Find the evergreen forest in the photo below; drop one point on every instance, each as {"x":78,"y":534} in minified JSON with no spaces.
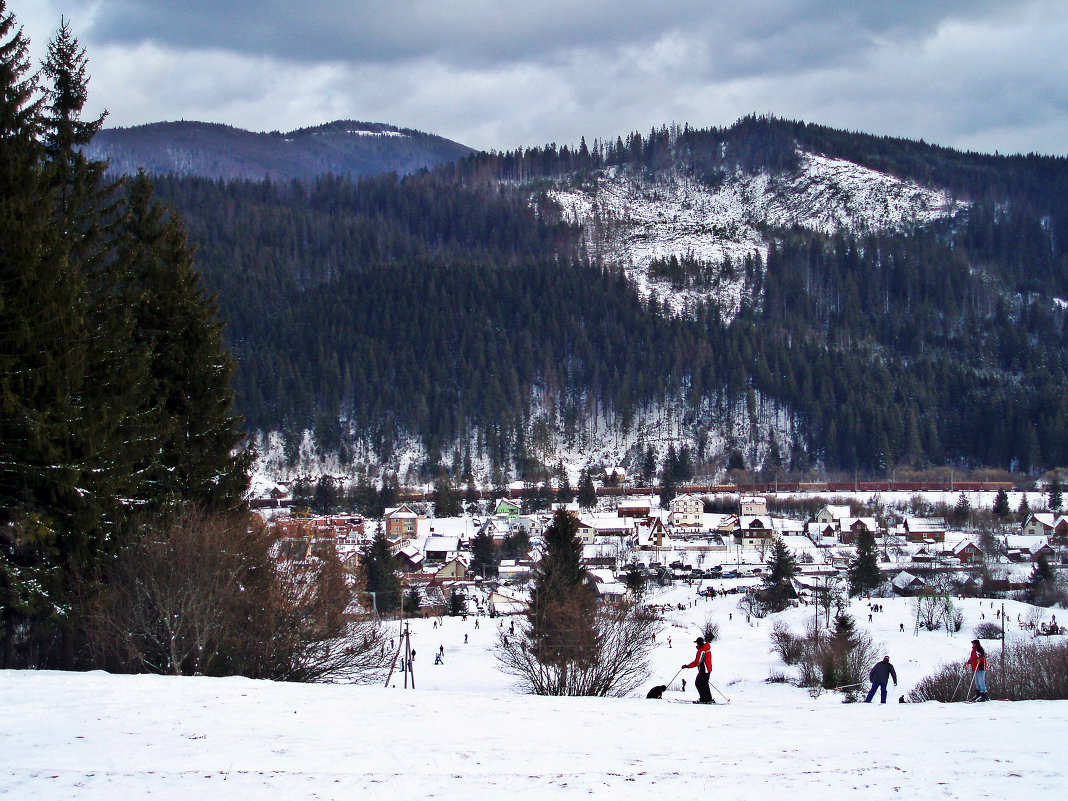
{"x":451,"y":304}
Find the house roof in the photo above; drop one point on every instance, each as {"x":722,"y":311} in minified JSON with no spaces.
{"x":438,"y":544}
{"x":870,"y":522}
{"x":1045,"y":519}
{"x":921,"y":524}
{"x":904,"y":579}
{"x":836,"y":512}
{"x":747,"y":521}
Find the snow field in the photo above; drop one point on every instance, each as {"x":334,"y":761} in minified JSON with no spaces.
{"x":463,"y":734}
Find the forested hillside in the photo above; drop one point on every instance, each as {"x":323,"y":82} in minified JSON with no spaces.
{"x":210,"y":150}
{"x":461,"y":307}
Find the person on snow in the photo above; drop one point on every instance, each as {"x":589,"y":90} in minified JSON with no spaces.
{"x":977,"y":662}
{"x":880,"y":674}
{"x":703,"y":663}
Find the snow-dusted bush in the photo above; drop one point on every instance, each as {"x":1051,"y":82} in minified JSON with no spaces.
{"x":1029,"y":671}
{"x":987,"y":631}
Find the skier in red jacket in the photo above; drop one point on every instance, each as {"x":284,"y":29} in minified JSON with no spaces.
{"x":977,"y":662}
{"x":703,"y":663}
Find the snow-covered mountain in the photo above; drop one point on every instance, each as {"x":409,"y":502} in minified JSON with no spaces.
{"x":630,"y":218}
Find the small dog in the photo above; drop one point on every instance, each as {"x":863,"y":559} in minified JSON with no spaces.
{"x":657,"y":691}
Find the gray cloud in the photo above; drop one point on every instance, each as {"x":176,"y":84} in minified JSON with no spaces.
{"x":501,"y":73}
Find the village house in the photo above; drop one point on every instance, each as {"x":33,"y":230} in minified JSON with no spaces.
{"x":635,"y":507}
{"x":652,"y":534}
{"x":687,"y":510}
{"x":967,"y":552}
{"x":592,"y":526}
{"x":506,"y":508}
{"x":831,"y":515}
{"x":455,"y":569}
{"x":410,"y":559}
{"x":905,"y":583}
{"x":400,"y":523}
{"x":1060,"y":530}
{"x":850,"y":528}
{"x":754,"y":531}
{"x":753,"y":506}
{"x":438,"y":550}
{"x":1039,"y":524}
{"x":1025,"y":548}
{"x":923,"y":529}
{"x":822,"y":535}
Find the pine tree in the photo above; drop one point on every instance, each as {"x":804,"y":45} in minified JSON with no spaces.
{"x":564,"y":493}
{"x":1001,"y":504}
{"x":41,"y":358}
{"x":562,"y":606}
{"x":191,"y":402}
{"x":782,"y":567}
{"x":962,"y":511}
{"x":457,"y":603}
{"x":484,"y":555}
{"x":411,"y":601}
{"x":380,"y":573}
{"x":1056,"y":495}
{"x":1023,"y":511}
{"x":864,"y":574}
{"x":1042,"y":582}
{"x":446,"y":499}
{"x":587,"y":494}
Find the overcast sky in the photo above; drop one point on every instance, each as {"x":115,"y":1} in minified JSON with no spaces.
{"x":496,"y":74}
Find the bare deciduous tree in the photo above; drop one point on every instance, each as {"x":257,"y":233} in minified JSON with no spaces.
{"x":200,"y":594}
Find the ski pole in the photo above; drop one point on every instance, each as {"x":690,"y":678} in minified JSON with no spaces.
{"x":674,"y":677}
{"x":718,"y":690}
{"x":954,"y":696}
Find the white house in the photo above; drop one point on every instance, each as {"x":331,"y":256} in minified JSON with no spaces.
{"x":832,"y":515}
{"x":754,"y":505}
{"x":687,"y":510}
{"x":1039,"y":524}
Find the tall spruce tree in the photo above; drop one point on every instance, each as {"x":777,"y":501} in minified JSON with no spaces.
{"x":104,"y":411}
{"x":587,"y":493}
{"x":380,"y":573}
{"x":196,"y":431}
{"x":562,"y":605}
{"x":43,"y":538}
{"x":864,"y":574}
{"x":1056,"y":494}
{"x":484,"y":555}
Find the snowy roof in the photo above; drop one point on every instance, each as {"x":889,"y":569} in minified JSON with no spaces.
{"x":869,"y":522}
{"x":606,"y":523}
{"x":921,"y":524}
{"x":1023,"y":542}
{"x":785,"y":525}
{"x":438,"y":544}
{"x":837,"y":512}
{"x":757,"y":521}
{"x":905,"y":579}
{"x":1046,"y":519}
{"x":962,"y":545}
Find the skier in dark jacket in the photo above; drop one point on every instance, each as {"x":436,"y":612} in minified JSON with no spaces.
{"x":880,"y":674}
{"x":703,"y":663}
